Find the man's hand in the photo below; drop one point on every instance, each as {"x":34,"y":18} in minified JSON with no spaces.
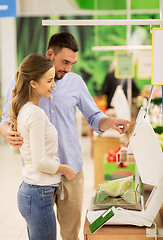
{"x":68,"y":172}
{"x":14,"y":138}
{"x":120,"y":125}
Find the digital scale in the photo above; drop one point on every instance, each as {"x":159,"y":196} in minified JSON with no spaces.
{"x":145,"y":147}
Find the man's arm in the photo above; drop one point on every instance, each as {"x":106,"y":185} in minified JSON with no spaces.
{"x":13,"y":138}
{"x":3,"y":130}
{"x":6,"y":130}
{"x":120,"y":125}
{"x":96,"y":118}
{"x":88,"y":107}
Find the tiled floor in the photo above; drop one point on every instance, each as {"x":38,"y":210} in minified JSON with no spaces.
{"x":12,"y":225}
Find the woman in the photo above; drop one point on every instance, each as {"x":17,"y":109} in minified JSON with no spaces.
{"x":41,"y":167}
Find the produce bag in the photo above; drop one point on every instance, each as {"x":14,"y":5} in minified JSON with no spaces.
{"x":116,"y":187}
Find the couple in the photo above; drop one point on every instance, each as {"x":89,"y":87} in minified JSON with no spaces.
{"x":41,"y":108}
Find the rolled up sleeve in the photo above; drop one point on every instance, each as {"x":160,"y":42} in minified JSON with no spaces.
{"x":7,"y":104}
{"x":88,"y":107}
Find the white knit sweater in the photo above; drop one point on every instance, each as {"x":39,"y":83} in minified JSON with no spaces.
{"x":39,"y":150}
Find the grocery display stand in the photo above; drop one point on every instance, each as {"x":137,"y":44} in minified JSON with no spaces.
{"x":148,"y":155}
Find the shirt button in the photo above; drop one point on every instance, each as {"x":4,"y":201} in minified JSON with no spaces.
{"x":52,"y":97}
{"x":52,"y":111}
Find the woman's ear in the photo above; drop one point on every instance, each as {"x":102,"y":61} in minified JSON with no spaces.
{"x":33,"y":84}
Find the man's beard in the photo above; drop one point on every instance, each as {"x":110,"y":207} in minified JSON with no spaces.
{"x":58,"y":76}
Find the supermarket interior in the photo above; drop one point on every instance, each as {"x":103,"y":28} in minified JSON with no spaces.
{"x":103,"y":109}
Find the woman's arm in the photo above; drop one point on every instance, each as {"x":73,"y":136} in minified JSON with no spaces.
{"x":40,"y":160}
{"x":44,"y":163}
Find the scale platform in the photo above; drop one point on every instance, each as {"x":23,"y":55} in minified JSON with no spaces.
{"x":129,"y":200}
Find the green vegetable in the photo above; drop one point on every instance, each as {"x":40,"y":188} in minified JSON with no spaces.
{"x":116,"y":187}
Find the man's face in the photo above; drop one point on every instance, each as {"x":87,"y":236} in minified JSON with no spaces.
{"x":63,"y":61}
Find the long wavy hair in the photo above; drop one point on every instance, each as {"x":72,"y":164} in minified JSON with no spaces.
{"x":33,"y":67}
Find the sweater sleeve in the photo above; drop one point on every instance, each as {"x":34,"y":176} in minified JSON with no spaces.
{"x":40,"y":160}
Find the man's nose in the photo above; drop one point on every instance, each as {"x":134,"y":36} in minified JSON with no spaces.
{"x":68,"y":68}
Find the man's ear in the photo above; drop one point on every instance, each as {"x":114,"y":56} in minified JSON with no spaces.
{"x":33,"y":84}
{"x":50,"y":54}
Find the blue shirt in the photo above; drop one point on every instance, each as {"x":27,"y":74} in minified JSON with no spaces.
{"x":70,"y":92}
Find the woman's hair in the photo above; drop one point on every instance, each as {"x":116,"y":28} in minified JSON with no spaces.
{"x":33,"y":67}
{"x":63,"y":40}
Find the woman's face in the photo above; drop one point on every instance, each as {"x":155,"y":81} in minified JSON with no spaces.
{"x":44,"y":87}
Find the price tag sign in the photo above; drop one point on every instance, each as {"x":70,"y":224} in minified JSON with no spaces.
{"x":144,"y":64}
{"x":124,"y":64}
{"x":157,"y":56}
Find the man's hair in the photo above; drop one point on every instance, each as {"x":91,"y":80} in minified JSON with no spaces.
{"x":63,"y":40}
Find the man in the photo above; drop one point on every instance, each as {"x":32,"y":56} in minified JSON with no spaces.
{"x":70,"y":92}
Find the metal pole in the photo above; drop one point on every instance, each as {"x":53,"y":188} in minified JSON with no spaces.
{"x":161,"y":17}
{"x":0,"y":67}
{"x":161,"y":12}
{"x":114,"y":48}
{"x":101,"y":22}
{"x":128,"y":3}
{"x":96,"y":26}
{"x":129,"y":80}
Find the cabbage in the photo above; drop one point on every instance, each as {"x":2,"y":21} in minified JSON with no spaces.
{"x":116,"y":187}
